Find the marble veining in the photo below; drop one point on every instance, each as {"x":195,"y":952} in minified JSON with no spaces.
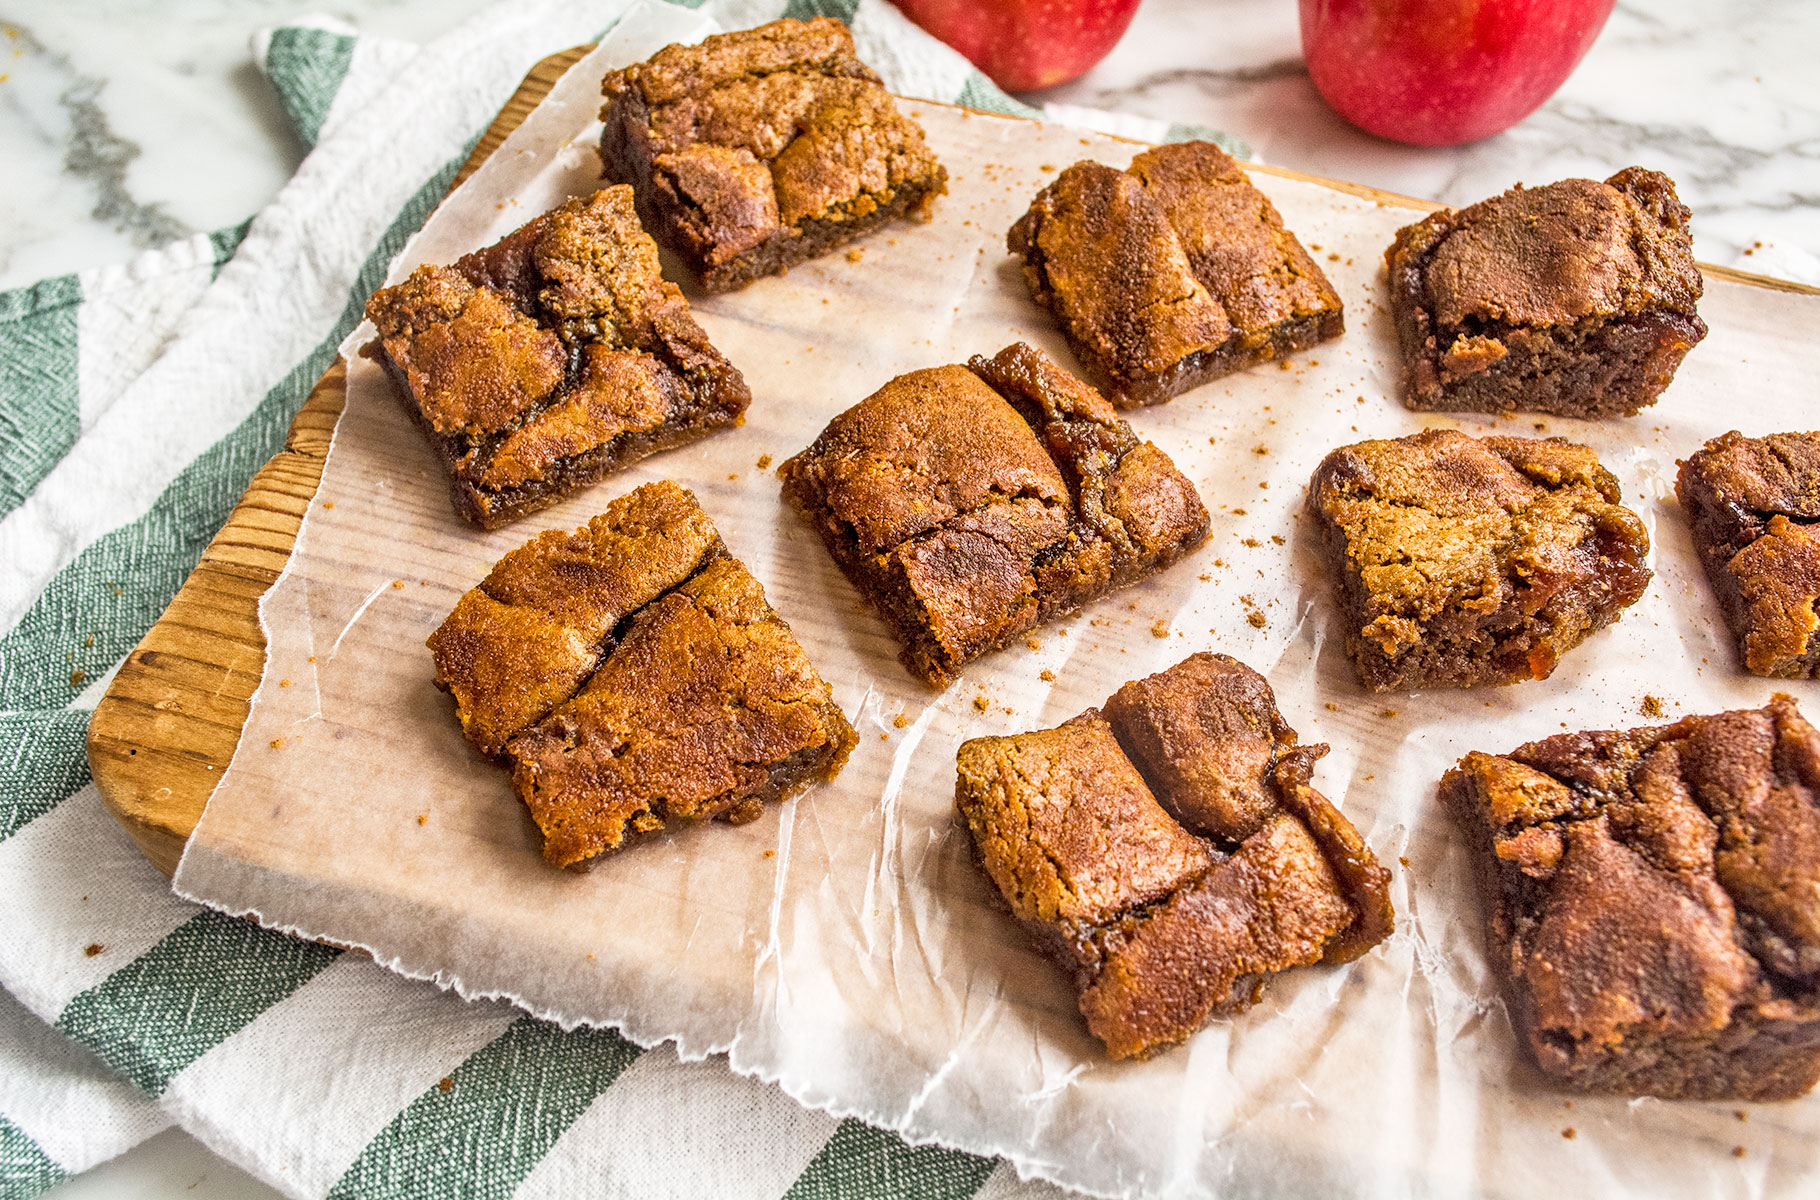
{"x":127,"y":123}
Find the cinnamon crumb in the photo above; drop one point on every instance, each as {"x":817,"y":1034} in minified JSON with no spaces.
{"x":1403,"y":861}
{"x":1252,"y":543}
{"x":328,"y":504}
{"x":1332,"y":707}
{"x":900,"y":721}
{"x":277,"y":743}
{"x":764,"y":461}
{"x":1569,"y":1133}
{"x":855,"y":255}
{"x":1260,"y":449}
{"x":768,"y":854}
{"x":1738,"y":1151}
{"x":1159,"y":629}
{"x":312,"y":658}
{"x":1033,"y":643}
{"x":423,"y":818}
{"x":397,"y":583}
{"x":980,"y":702}
{"x":447,"y":1084}
{"x":284,"y":683}
{"x":1047,"y":676}
{"x":1255,"y":619}
{"x":93,"y":948}
{"x":1388,"y":714}
{"x":1652,"y":706}
{"x":884,"y":737}
{"x":1205,"y":578}
{"x":77,"y":678}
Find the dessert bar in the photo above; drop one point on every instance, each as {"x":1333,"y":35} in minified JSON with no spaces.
{"x":1578,"y":299}
{"x":1170,"y":273}
{"x":1169,"y":852}
{"x":1654,"y":902}
{"x":968,"y":504}
{"x":758,"y":149}
{"x":1459,"y":561}
{"x":631,"y":674}
{"x":1754,"y":503}
{"x":551,"y":359}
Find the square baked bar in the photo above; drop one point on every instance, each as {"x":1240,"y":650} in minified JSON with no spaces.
{"x":1654,"y":902}
{"x":1576,"y":299}
{"x":631,"y":674}
{"x":1170,"y":273}
{"x":1753,"y":503}
{"x":1169,"y":852}
{"x":758,"y":149}
{"x":549,"y":360}
{"x":968,"y":504}
{"x":1461,"y":561}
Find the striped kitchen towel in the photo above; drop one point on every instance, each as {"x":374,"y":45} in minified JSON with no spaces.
{"x":136,"y":402}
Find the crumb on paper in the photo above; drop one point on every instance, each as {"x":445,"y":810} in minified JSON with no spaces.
{"x":1260,"y":449}
{"x":397,"y":583}
{"x":1738,"y":1151}
{"x":1046,"y":675}
{"x":1206,"y":578}
{"x":764,"y":461}
{"x":884,"y":737}
{"x":1250,"y":543}
{"x":328,"y":504}
{"x":1736,"y":1112}
{"x":1652,"y":706}
{"x":93,"y":948}
{"x":1569,"y":1133}
{"x":447,"y":1084}
{"x":1389,"y":714}
{"x":277,"y":743}
{"x":855,"y":255}
{"x":1403,"y":861}
{"x":1256,"y":619}
{"x":768,"y":854}
{"x":1332,"y":707}
{"x":1159,"y":629}
{"x":284,"y":683}
{"x":1279,"y":539}
{"x":900,"y":721}
{"x":981,"y":703}
{"x":312,"y":658}
{"x":1033,"y":643}
{"x":1238,"y":512}
{"x":423,"y":818}
{"x":77,"y":678}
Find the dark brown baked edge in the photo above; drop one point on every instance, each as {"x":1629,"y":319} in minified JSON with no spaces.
{"x":1749,"y":1060}
{"x":495,"y":508}
{"x":1476,"y":646}
{"x":666,"y":215}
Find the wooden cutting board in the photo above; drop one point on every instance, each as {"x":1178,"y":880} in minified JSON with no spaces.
{"x":169,"y":723}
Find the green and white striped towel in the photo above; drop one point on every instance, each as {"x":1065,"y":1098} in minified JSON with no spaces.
{"x":136,"y":402}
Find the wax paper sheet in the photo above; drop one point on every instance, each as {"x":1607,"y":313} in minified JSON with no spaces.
{"x":844,"y":945}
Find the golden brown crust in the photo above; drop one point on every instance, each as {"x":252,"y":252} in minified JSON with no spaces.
{"x":1577,"y":298}
{"x":1462,"y":561}
{"x":543,"y":362}
{"x":1167,"y":926}
{"x":1170,"y":273}
{"x":1753,"y":502}
{"x":757,"y":149}
{"x":1655,"y":901}
{"x":632,"y":671}
{"x":969,"y":504}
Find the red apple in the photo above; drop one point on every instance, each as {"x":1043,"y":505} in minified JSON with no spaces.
{"x":1441,"y":72}
{"x":1023,"y":45}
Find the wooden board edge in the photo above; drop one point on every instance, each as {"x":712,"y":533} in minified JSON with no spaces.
{"x":174,"y":691}
{"x":170,"y":721}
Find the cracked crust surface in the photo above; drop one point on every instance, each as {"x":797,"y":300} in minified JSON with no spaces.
{"x":1578,"y":298}
{"x":1654,"y":901}
{"x":1462,"y":561}
{"x":969,"y":504}
{"x":758,"y":149}
{"x":1110,"y":838}
{"x":1754,"y":503}
{"x":550,"y":359}
{"x":631,"y":673}
{"x":1171,"y":273}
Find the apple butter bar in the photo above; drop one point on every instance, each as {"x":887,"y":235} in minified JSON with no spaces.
{"x":631,"y":673}
{"x":1169,"y":851}
{"x":1170,"y":273}
{"x":549,"y":360}
{"x":968,"y":504}
{"x":756,"y":150}
{"x":1460,"y":561}
{"x":1578,"y":298}
{"x":1754,"y":503}
{"x":1654,"y":902}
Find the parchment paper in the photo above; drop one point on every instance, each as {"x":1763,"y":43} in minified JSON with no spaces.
{"x":844,"y":945}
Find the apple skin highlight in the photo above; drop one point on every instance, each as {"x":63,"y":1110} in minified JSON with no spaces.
{"x":1443,"y":72}
{"x":1025,"y":45}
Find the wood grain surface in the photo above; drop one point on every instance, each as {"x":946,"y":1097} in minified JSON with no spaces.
{"x":169,"y":724}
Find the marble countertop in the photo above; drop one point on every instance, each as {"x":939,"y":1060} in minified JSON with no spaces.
{"x":125,"y":123}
